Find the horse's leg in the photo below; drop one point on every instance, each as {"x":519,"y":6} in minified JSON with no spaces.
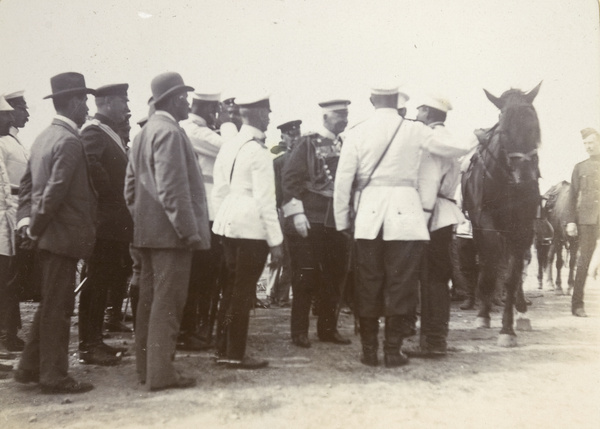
{"x":486,"y":286}
{"x":542,"y":259}
{"x":507,"y":337}
{"x":559,"y":264}
{"x":548,"y":266}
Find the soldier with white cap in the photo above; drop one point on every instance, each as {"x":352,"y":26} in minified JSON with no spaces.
{"x":13,"y":161}
{"x":381,"y":155}
{"x":246,"y":220}
{"x":7,"y":249}
{"x":438,"y":179}
{"x":317,"y":250}
{"x":196,"y":327}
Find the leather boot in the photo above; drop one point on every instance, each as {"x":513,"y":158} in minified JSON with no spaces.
{"x":369,"y":328}
{"x":394,"y":334}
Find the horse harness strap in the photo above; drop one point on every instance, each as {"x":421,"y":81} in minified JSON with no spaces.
{"x":524,"y":156}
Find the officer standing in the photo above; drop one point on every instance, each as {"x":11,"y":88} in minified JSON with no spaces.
{"x":381,"y":155}
{"x":438,"y":180}
{"x":583,"y":221}
{"x":281,"y":279}
{"x":317,"y":250}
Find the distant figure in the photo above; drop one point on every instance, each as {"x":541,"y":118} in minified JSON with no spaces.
{"x":57,"y":212}
{"x":584,"y":213}
{"x":165,"y":195}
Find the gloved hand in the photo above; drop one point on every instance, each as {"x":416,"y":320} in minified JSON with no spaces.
{"x":23,"y":240}
{"x":276,"y":257}
{"x":572,"y":229}
{"x":301,"y":224}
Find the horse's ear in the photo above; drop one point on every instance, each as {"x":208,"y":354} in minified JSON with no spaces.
{"x":530,"y":96}
{"x":497,"y":102}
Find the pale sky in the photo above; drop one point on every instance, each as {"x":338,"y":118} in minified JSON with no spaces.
{"x":303,"y":52}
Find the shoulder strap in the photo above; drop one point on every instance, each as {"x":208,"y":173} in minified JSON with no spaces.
{"x":235,"y":159}
{"x":382,"y":154}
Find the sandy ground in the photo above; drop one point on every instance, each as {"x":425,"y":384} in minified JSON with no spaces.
{"x":551,"y":380}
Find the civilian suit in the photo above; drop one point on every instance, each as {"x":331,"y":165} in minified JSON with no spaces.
{"x":58,"y":203}
{"x":165,"y":195}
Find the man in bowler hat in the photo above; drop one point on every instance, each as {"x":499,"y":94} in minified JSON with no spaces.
{"x":110,"y":264}
{"x":57,"y":211}
{"x":165,"y":195}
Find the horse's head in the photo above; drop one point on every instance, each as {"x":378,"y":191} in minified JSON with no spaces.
{"x":519,"y":136}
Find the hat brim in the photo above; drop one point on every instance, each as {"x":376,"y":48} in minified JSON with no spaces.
{"x":73,"y":91}
{"x":171,"y":91}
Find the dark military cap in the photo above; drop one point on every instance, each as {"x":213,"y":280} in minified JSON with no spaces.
{"x":119,"y":89}
{"x":289,"y":126}
{"x":229,"y":101}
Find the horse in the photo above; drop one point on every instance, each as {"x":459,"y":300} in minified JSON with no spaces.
{"x":554,"y":211}
{"x":501,"y":197}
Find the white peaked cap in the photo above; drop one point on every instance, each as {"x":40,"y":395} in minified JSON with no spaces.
{"x":4,"y":106}
{"x":206,"y":96}
{"x":437,"y":102}
{"x":16,"y":94}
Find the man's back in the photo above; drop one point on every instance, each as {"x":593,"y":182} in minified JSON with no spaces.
{"x":63,"y":201}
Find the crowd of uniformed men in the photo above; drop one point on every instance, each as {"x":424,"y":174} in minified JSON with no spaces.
{"x":189,"y":212}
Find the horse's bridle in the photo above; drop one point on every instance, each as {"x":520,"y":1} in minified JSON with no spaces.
{"x":528,"y":157}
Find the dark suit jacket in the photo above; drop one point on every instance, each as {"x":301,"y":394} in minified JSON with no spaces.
{"x":108,"y":161}
{"x":585,"y":192}
{"x":57,"y":193}
{"x":164,"y":189}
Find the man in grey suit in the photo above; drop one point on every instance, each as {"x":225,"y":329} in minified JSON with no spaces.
{"x":57,"y":211}
{"x":165,"y":194}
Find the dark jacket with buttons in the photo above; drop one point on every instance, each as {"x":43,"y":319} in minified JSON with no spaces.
{"x":585,"y":192}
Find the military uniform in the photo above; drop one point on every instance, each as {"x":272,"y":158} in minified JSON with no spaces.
{"x":109,"y":266}
{"x":584,"y":195}
{"x":319,"y":260}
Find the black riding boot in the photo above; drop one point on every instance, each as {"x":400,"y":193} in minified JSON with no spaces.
{"x":369,"y":328}
{"x":395,"y":332}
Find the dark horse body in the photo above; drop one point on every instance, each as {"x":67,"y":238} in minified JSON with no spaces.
{"x":554,"y":211}
{"x":501,"y":196}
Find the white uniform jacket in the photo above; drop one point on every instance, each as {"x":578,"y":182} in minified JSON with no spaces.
{"x":244,"y":191}
{"x":206,"y":144}
{"x":390,"y":201}
{"x":438,"y":180}
{"x":13,"y":163}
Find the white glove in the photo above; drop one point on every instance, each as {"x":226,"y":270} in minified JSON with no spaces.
{"x":572,"y":229}
{"x":302,"y":225}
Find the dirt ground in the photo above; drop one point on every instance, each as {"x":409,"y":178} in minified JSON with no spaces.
{"x":551,"y":380}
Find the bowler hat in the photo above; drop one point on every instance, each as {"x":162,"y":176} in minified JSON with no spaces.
{"x":69,"y":83}
{"x":166,"y":84}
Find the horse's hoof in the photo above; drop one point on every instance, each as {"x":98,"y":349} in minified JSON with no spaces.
{"x":523,"y":324}
{"x":507,"y":340}
{"x":558,"y":291}
{"x":482,"y":322}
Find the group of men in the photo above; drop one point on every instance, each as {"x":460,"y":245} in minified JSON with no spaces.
{"x":193,"y":209}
